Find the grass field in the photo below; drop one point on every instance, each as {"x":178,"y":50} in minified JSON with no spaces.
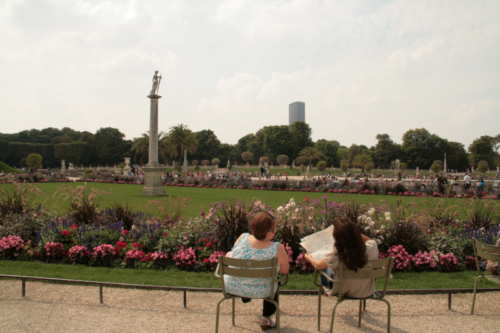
{"x":203,"y":197}
{"x":174,"y":277}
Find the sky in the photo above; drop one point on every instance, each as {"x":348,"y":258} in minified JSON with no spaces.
{"x":362,"y":68}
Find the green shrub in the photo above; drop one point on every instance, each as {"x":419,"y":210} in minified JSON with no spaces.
{"x":403,"y":167}
{"x":344,"y":166}
{"x":482,"y":167}
{"x":233,"y":220}
{"x":406,"y":233}
{"x":246,"y":156}
{"x":215,"y":161}
{"x":88,"y":171}
{"x":18,"y":198}
{"x":321,"y":166}
{"x":34,"y":161}
{"x":195,"y":162}
{"x":436,"y":167}
{"x":7,"y":169}
{"x":281,"y":159}
{"x":196,"y":168}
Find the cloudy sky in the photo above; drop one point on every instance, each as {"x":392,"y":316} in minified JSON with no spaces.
{"x":361,"y":67}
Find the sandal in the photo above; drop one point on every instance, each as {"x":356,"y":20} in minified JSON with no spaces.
{"x":269,"y":324}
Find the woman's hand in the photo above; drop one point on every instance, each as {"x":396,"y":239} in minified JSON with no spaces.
{"x":318,"y":264}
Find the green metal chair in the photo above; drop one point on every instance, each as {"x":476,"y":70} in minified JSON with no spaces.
{"x":488,"y":252}
{"x":372,"y":270}
{"x":250,"y":269}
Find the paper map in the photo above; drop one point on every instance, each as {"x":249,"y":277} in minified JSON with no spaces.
{"x":319,"y":243}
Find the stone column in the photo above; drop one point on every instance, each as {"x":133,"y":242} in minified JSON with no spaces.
{"x":153,"y":170}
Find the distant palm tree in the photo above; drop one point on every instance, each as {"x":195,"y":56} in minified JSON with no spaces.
{"x":182,"y":138}
{"x":310,"y":153}
{"x":141,"y":146}
{"x":362,"y":160}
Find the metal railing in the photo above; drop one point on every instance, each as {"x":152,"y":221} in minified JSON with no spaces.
{"x":101,"y":286}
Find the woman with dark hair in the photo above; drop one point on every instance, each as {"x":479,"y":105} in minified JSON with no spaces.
{"x":353,"y":249}
{"x":258,"y":246}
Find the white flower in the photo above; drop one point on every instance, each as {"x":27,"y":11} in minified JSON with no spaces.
{"x":369,"y":220}
{"x":371,"y":211}
{"x":296,"y":210}
{"x":280,"y":208}
{"x":388,"y":218}
{"x":387,"y":214}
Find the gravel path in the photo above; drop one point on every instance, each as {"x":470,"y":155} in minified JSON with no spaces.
{"x":69,"y":308}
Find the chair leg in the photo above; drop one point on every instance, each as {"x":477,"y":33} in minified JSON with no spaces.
{"x":217,"y":315}
{"x":320,"y":291}
{"x":278,"y":327}
{"x":360,"y":308}
{"x":388,"y":315}
{"x":474,"y":297}
{"x":333,"y":316}
{"x":364,"y":305}
{"x":233,"y":310}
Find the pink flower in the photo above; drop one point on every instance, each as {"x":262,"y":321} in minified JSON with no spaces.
{"x":124,"y":232}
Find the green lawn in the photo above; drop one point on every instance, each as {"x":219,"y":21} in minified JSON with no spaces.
{"x":174,"y":277}
{"x":203,"y":197}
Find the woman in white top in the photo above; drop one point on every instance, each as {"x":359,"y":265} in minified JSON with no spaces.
{"x":353,"y":249}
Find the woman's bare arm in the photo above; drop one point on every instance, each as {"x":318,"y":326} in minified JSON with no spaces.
{"x":283,"y":260}
{"x":318,"y":264}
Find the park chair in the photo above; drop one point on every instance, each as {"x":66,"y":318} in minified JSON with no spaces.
{"x":372,"y":270}
{"x":488,"y":252}
{"x":249,"y":269}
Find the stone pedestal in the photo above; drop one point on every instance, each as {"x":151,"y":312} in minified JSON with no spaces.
{"x":127,"y":168}
{"x":309,"y":175}
{"x":153,"y":170}
{"x":152,"y":180}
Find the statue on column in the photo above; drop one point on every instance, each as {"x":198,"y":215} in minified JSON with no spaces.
{"x":156,"y":83}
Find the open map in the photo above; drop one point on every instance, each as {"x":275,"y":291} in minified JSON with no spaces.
{"x":319,"y":243}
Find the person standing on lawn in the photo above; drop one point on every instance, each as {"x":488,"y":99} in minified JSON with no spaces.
{"x":467,"y":181}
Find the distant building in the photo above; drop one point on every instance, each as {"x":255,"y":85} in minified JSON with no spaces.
{"x":297,"y":112}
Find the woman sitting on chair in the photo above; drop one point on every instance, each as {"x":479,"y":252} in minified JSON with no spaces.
{"x":353,"y":249}
{"x":258,"y":246}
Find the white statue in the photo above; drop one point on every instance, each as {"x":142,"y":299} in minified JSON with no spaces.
{"x":396,"y":166}
{"x":156,"y":83}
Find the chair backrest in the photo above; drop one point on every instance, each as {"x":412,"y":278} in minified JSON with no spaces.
{"x":247,"y":268}
{"x":485,"y":251}
{"x":372,"y":270}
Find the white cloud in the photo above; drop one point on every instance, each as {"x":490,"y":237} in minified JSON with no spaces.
{"x":361,"y":67}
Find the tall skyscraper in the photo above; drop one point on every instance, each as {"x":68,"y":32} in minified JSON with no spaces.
{"x":297,"y":112}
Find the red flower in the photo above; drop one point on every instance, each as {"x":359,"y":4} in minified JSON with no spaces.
{"x":74,"y":226}
{"x":65,"y":233}
{"x":165,"y":234}
{"x":199,"y":249}
{"x":135,"y":244}
{"x":205,"y":260}
{"x":209,"y":245}
{"x":124,"y":232}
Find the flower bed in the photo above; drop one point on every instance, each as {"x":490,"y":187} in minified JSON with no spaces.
{"x":425,"y":240}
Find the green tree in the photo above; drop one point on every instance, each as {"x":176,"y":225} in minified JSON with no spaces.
{"x":208,"y":145}
{"x":34,"y":161}
{"x":278,"y":140}
{"x":385,"y":151}
{"x":310,"y":153}
{"x":256,"y":145}
{"x":243,"y":145}
{"x":182,"y":138}
{"x":301,"y":133}
{"x":353,"y":151}
{"x":421,"y":148}
{"x":456,"y":156}
{"x":362,"y":161}
{"x":344,"y":166}
{"x":403,"y":167}
{"x":329,"y":150}
{"x":110,"y":146}
{"x":141,"y":146}
{"x":481,"y":149}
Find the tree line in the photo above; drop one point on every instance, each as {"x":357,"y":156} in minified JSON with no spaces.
{"x":276,"y":144}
